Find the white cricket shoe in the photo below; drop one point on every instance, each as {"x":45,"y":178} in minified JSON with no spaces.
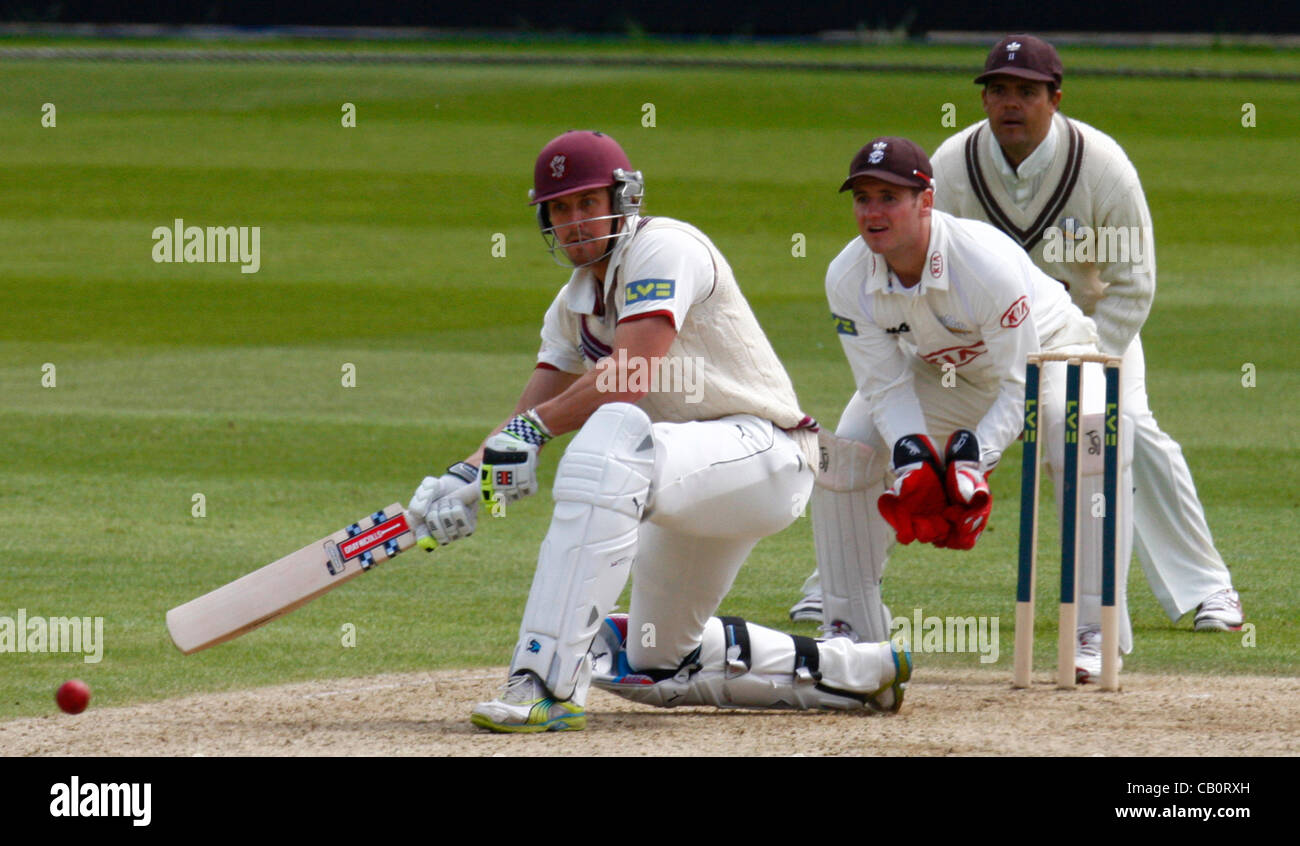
{"x":1220,"y":612}
{"x":1087,"y":656}
{"x":527,"y":706}
{"x":808,"y":609}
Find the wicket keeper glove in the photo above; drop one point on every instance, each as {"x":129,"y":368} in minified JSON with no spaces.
{"x":447,"y":517}
{"x":510,"y":458}
{"x":914,"y":505}
{"x":969,"y":499}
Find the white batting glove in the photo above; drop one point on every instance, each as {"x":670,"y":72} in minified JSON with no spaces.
{"x":510,"y":458}
{"x":447,"y":517}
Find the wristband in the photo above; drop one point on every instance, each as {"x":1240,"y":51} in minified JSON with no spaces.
{"x":529,"y":428}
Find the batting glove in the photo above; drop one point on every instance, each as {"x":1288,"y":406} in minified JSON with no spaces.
{"x":967,"y":488}
{"x":914,"y":505}
{"x":447,"y":517}
{"x":510,"y":458}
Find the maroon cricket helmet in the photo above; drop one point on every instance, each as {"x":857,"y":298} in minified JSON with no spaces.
{"x":578,"y":160}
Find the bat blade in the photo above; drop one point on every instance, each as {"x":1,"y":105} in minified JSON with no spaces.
{"x":292,"y":581}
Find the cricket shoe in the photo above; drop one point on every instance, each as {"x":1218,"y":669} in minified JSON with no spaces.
{"x":526,"y":706}
{"x":888,"y":700}
{"x":808,"y":609}
{"x":1087,"y":656}
{"x":1220,"y":612}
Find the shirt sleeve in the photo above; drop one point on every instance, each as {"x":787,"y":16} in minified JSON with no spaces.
{"x":560,"y":343}
{"x":1130,"y":286}
{"x":881,"y":370}
{"x":666,"y":271}
{"x":1004,"y":313}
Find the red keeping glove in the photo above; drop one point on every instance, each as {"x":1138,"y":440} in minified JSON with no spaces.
{"x":969,"y":499}
{"x":914,"y":505}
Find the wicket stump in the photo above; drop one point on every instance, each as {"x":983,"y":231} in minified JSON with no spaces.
{"x":1068,"y":618}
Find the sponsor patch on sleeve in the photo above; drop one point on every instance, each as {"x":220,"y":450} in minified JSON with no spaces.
{"x":843,"y":325}
{"x":643,"y":290}
{"x":1016,"y":314}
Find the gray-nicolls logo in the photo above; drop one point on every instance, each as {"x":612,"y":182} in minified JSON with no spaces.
{"x":557,"y":167}
{"x":92,"y":799}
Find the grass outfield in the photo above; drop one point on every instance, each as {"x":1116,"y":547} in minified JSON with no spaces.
{"x":177,"y":379}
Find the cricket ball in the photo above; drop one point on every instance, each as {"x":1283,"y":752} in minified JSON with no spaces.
{"x":73,"y":696}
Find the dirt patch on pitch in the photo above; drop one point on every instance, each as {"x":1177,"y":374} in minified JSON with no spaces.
{"x":946,"y":713}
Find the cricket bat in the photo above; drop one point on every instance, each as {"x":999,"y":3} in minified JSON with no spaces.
{"x":296,"y":579}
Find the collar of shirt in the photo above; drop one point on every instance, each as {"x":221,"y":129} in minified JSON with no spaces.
{"x":1022,"y":182}
{"x":934,"y":275}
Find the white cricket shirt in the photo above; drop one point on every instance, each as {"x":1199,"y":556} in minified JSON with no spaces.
{"x":980,"y":308}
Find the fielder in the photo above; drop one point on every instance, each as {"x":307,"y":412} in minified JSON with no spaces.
{"x":1050,"y":182}
{"x":936,"y":315}
{"x":668,"y":486}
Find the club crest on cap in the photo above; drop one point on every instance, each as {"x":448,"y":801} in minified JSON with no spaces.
{"x":1013,"y":46}
{"x":557,"y":167}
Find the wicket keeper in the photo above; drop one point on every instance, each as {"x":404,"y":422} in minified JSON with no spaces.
{"x":936,"y":315}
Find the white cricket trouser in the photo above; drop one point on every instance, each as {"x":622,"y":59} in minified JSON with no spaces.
{"x":678,"y":506}
{"x":719,"y":487}
{"x":1170,"y":534}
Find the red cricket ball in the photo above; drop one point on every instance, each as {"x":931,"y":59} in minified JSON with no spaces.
{"x":73,"y":696}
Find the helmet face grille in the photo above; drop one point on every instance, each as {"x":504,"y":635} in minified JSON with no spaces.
{"x":556,"y":248}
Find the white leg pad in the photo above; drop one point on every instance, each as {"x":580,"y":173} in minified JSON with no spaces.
{"x":601,"y":488}
{"x":852,"y":539}
{"x":853,"y":543}
{"x":775,"y":676}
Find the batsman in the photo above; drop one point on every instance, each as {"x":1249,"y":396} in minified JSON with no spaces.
{"x":668,"y":486}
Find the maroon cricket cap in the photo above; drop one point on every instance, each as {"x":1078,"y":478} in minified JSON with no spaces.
{"x":576,"y":161}
{"x":895,"y":160}
{"x":1024,"y":56}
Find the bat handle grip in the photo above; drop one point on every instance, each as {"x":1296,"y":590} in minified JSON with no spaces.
{"x":423,"y":538}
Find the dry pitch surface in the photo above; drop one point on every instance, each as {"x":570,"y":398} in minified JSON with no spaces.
{"x":946,"y":713}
